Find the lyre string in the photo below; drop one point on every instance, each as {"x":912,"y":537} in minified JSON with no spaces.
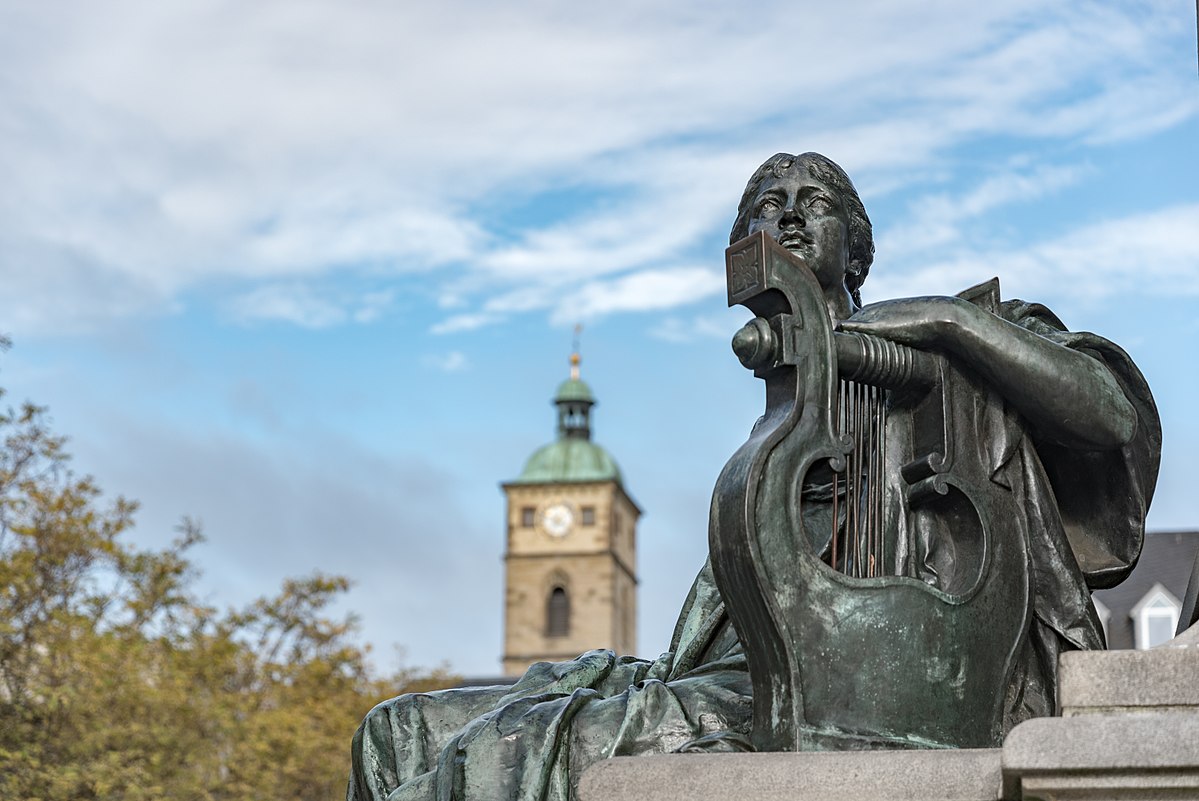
{"x":858,"y":547}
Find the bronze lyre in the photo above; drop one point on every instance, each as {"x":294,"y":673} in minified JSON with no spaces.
{"x":858,"y":537}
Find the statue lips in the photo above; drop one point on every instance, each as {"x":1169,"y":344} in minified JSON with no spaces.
{"x":796,"y":241}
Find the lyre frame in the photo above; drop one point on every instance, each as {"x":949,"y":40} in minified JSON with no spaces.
{"x":845,"y":662}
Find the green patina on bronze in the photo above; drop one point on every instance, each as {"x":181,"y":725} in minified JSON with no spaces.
{"x":882,"y":645}
{"x":1018,"y":464}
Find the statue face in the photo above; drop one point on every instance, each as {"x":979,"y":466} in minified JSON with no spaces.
{"x":807,"y":217}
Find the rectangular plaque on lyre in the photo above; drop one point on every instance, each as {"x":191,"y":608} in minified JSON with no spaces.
{"x":745,"y":267}
{"x":753,"y":265}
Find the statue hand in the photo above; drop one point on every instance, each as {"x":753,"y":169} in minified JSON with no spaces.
{"x":927,"y":322}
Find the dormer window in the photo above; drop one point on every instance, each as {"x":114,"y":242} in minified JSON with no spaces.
{"x":1155,"y":617}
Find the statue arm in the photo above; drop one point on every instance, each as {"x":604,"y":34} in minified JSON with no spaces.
{"x":1067,"y":395}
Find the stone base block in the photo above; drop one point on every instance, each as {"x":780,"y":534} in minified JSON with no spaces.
{"x":1151,"y":756}
{"x":1162,"y":679}
{"x":966,"y":775}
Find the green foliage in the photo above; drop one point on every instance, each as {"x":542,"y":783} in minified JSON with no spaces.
{"x":117,"y":683}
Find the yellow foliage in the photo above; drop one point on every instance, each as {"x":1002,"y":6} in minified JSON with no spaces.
{"x":117,"y":683}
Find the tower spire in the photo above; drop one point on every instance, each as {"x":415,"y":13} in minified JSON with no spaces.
{"x":574,"y":399}
{"x":574,"y":355}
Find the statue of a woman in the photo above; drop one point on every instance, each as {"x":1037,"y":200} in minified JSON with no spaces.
{"x":1081,"y":454}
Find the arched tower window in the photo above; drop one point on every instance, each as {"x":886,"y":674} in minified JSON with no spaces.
{"x":557,"y":613}
{"x":574,"y":418}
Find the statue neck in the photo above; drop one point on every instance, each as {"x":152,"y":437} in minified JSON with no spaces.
{"x":840,"y":303}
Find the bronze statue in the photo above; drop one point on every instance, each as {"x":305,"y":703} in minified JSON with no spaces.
{"x":893,"y":542}
{"x":902,"y":548}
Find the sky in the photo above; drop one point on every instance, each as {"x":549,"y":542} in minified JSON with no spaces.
{"x":308,"y":271}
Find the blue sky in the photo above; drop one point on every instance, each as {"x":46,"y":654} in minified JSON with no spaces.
{"x":308,"y":271}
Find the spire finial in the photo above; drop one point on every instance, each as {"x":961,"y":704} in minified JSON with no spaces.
{"x":574,"y":356}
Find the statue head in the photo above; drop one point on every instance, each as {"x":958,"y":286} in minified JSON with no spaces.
{"x":824,"y":170}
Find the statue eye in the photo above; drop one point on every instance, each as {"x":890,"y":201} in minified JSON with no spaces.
{"x":822,"y":202}
{"x":767,"y":205}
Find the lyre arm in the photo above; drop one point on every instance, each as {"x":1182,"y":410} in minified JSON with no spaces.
{"x":882,"y":363}
{"x":1067,"y":395}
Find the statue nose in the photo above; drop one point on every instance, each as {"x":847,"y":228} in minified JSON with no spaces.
{"x":792,"y":216}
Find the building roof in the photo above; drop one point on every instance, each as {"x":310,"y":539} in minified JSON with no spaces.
{"x":1167,"y":559}
{"x":573,"y":457}
{"x":574,"y":389}
{"x":569,"y":460}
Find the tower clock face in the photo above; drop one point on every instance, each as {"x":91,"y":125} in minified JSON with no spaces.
{"x":557,"y":519}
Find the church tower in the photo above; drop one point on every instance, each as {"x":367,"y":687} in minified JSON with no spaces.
{"x":570,"y":563}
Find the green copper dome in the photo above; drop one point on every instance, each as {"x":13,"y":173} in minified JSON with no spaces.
{"x":573,"y":457}
{"x":569,"y":460}
{"x":573,"y":389}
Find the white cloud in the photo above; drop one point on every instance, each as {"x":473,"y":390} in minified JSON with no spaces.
{"x":1153,"y":253}
{"x":464,"y":322}
{"x":454,"y":361}
{"x":308,"y":306}
{"x":293,"y":304}
{"x":372,"y":305}
{"x":643,"y":291}
{"x":701,"y":326}
{"x":192,"y":146}
{"x":936,"y":218}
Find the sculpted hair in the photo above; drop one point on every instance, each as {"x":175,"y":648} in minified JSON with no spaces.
{"x":861,"y":235}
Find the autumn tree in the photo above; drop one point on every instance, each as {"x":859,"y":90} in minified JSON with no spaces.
{"x":117,"y":683}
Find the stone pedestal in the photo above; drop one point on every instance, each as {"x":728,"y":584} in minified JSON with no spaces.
{"x":1147,"y":756}
{"x":967,"y":775}
{"x":1129,"y":731}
